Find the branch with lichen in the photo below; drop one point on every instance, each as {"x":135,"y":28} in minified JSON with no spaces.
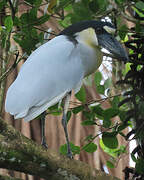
{"x":8,"y":178}
{"x":22,"y":154}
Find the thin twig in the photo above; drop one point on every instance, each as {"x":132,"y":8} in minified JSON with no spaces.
{"x":44,"y":31}
{"x":93,"y":101}
{"x":12,"y":9}
{"x":6,"y":73}
{"x":30,"y":5}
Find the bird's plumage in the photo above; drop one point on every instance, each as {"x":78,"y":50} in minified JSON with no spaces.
{"x":48,"y":74}
{"x":82,"y":25}
{"x":59,"y":66}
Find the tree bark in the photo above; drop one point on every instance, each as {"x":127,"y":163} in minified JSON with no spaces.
{"x":19,"y":153}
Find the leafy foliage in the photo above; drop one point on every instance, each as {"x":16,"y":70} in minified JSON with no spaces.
{"x":75,"y":149}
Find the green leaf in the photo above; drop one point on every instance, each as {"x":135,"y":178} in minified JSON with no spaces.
{"x":122,"y":127}
{"x":122,"y":115}
{"x":56,"y":113}
{"x":106,"y":122}
{"x":97,"y":78}
{"x":4,"y":38}
{"x":127,"y":68}
{"x":17,"y":21}
{"x":68,"y":116}
{"x":120,"y":1}
{"x":34,"y":2}
{"x":81,"y":95}
{"x":42,"y":19}
{"x":54,"y":110}
{"x":89,"y":137}
{"x":115,"y":102}
{"x":90,"y":147}
{"x":75,"y":149}
{"x":140,"y":5}
{"x":2,"y":4}
{"x":54,"y":107}
{"x":111,"y":152}
{"x":97,"y":110}
{"x":123,"y":31}
{"x":110,"y":164}
{"x":110,"y":113}
{"x":98,"y":6}
{"x":37,"y":2}
{"x":89,"y":115}
{"x":140,"y":166}
{"x":141,"y":14}
{"x":66,"y":22}
{"x":30,"y":1}
{"x":24,"y":19}
{"x":110,"y":140}
{"x":133,"y":157}
{"x":8,"y":22}
{"x":80,"y":12}
{"x":88,"y":123}
{"x":33,"y":15}
{"x":77,"y":109}
{"x":100,"y":89}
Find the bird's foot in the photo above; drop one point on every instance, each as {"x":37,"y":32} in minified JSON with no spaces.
{"x":69,"y":155}
{"x":44,"y":144}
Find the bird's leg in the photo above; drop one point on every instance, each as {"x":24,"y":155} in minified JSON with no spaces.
{"x":43,"y":142}
{"x":64,"y":123}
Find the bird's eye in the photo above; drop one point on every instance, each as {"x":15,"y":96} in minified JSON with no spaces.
{"x":98,"y":30}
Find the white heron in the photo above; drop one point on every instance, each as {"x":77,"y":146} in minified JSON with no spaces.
{"x":57,"y":67}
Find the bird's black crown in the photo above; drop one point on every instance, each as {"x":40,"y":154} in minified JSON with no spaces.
{"x":80,"y":26}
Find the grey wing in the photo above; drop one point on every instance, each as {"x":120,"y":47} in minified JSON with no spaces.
{"x":48,"y":74}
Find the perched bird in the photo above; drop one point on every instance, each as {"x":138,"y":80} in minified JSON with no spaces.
{"x":57,"y":67}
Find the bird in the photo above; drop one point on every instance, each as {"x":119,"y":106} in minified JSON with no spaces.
{"x":59,"y":66}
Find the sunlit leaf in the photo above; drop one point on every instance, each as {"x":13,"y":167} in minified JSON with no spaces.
{"x":8,"y":22}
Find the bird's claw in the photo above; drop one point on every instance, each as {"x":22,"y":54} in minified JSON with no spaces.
{"x":69,"y":155}
{"x":44,"y":144}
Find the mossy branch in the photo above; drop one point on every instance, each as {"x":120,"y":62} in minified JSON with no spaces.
{"x":22,"y":154}
{"x":8,"y":178}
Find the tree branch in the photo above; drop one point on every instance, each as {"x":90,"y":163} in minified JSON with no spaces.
{"x":21,"y":154}
{"x":8,"y":178}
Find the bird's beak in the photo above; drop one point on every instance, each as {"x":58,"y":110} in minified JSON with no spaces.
{"x":108,"y":42}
